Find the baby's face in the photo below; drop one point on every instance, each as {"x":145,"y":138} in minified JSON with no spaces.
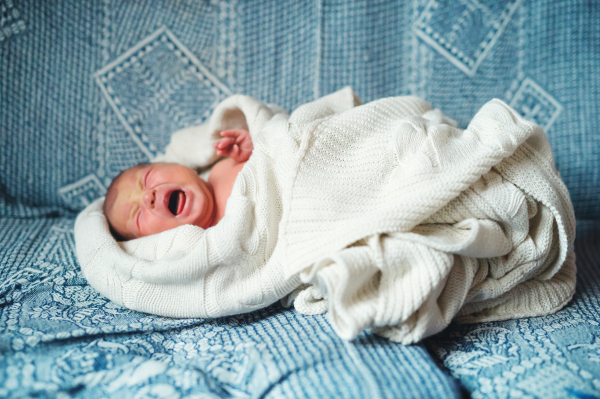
{"x":151,"y":198}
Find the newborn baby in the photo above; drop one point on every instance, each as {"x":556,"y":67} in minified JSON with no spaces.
{"x":153,"y":197}
{"x":401,"y":220}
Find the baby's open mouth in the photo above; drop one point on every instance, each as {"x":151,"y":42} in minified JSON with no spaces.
{"x":176,"y":202}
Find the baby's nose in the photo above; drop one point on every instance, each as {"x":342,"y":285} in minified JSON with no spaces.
{"x":150,"y":199}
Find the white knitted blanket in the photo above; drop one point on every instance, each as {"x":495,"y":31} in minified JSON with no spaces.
{"x":385,"y":215}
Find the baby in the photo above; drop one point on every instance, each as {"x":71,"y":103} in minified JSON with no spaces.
{"x":153,"y":197}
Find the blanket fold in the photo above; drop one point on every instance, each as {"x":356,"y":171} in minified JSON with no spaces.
{"x":392,"y":217}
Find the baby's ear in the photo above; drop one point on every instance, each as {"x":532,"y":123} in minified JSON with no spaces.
{"x":109,"y":199}
{"x":106,"y":208}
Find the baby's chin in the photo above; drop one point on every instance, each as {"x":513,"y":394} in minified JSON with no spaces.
{"x":205,"y":217}
{"x":204,"y":206}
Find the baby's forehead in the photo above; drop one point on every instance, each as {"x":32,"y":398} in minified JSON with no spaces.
{"x":128,"y":177}
{"x":122,"y":183}
{"x":125,"y":178}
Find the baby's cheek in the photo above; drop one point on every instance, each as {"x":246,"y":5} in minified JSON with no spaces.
{"x":149,"y":224}
{"x":143,"y":225}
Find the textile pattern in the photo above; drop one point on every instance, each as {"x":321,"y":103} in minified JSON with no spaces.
{"x":58,"y":336}
{"x":89,"y":88}
{"x":555,"y":356}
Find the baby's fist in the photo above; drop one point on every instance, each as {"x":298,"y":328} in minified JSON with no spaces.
{"x":236,"y":144}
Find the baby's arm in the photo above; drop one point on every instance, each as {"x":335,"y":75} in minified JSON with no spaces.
{"x":236,"y":144}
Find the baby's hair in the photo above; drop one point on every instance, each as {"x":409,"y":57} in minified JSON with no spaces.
{"x":111,"y":196}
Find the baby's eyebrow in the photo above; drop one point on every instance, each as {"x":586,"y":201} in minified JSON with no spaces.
{"x":127,"y":207}
{"x":132,"y":210}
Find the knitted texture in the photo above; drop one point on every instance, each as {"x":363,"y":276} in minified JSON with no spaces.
{"x":385,"y":207}
{"x":89,"y":88}
{"x":531,"y":352}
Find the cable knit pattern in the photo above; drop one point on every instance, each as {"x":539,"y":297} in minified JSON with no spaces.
{"x":396,"y":218}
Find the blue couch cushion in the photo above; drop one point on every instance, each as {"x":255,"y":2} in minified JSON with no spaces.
{"x":58,"y":335}
{"x":90,"y":88}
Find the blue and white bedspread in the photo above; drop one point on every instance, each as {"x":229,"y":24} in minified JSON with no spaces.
{"x":60,"y":336}
{"x":89,"y":88}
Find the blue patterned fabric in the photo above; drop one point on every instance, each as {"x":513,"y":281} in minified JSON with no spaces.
{"x":555,"y":356}
{"x":89,"y":88}
{"x":59,"y":336}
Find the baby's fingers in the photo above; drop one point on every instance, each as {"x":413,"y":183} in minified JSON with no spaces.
{"x":230,"y":133}
{"x":224,"y":142}
{"x":235,"y":152}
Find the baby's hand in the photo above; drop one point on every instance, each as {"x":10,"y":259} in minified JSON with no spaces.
{"x":236,"y":144}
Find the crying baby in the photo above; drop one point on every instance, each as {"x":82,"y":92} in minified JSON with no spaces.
{"x":153,"y":197}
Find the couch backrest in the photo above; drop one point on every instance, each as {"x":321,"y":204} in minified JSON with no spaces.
{"x":90,"y":88}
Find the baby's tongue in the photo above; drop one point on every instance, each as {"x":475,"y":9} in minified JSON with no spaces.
{"x":176,"y":202}
{"x":180,"y":202}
